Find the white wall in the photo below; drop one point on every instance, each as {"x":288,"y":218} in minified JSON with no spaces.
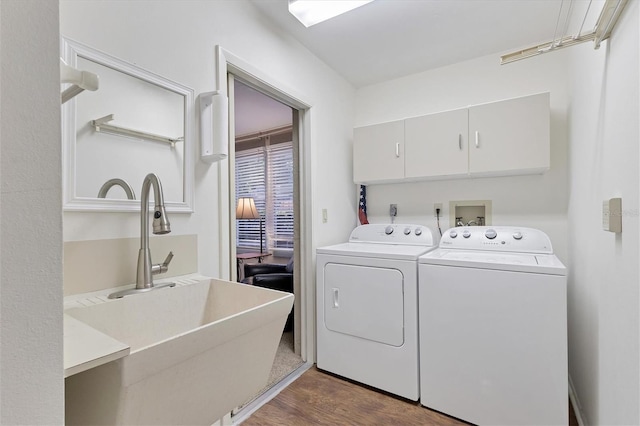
{"x":603,"y":280}
{"x":155,"y":110}
{"x":176,"y":39}
{"x":31,"y":359}
{"x":538,"y":201}
{"x":595,"y":156}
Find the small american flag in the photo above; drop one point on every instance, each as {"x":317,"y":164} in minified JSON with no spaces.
{"x":362,"y":207}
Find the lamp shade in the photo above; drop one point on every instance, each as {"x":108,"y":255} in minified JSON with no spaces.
{"x":246,"y":209}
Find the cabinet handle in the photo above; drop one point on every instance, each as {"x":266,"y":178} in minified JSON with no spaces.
{"x":397,"y":150}
{"x":335,"y":298}
{"x":477,"y":139}
{"x":460,"y":141}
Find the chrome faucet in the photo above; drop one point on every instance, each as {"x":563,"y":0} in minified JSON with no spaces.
{"x":161,"y":225}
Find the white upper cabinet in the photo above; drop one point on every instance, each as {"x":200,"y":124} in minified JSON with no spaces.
{"x":510,"y":137}
{"x":436,"y":145}
{"x":378,"y":152}
{"x":501,"y":138}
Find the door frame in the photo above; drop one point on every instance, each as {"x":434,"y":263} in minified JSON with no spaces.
{"x":227,"y":63}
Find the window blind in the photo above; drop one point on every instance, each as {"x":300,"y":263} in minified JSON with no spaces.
{"x":280,"y":198}
{"x":266,"y":175}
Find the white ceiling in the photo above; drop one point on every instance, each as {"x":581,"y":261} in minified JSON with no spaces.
{"x":387,"y":39}
{"x":255,"y":112}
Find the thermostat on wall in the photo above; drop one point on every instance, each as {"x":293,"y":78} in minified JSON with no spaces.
{"x":612,"y":215}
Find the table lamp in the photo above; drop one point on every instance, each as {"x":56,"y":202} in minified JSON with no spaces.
{"x":246,"y":209}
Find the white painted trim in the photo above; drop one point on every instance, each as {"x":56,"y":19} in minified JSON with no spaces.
{"x":71,"y":49}
{"x":226,"y":62}
{"x":307,"y":243}
{"x":575,"y":403}
{"x":251,"y":408}
{"x":231,"y":165}
{"x":258,"y":79}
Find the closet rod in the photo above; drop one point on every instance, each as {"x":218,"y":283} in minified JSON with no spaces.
{"x":100,"y":124}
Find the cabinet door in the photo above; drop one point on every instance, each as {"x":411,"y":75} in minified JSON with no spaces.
{"x":436,"y":144}
{"x":378,"y":152}
{"x":510,"y":137}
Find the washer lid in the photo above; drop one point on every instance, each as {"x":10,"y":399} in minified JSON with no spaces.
{"x":516,"y":262}
{"x":382,"y":251}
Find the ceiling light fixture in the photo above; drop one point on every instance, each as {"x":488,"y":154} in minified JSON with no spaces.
{"x":311,"y":12}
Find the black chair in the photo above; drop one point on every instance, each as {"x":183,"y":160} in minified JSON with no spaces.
{"x":273,"y":276}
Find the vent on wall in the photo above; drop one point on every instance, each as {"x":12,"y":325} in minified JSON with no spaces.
{"x":606,"y":22}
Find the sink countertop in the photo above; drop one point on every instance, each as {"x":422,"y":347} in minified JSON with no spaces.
{"x":84,"y":346}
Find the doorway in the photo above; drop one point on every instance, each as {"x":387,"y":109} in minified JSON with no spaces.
{"x":264,"y":187}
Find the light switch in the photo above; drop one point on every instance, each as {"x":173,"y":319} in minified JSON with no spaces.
{"x":324,"y":216}
{"x":612,"y":215}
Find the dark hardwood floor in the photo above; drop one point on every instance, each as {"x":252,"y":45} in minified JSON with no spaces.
{"x":318,"y":398}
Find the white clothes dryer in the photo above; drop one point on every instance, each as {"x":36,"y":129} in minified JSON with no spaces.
{"x":493,"y":327}
{"x":367,"y":306}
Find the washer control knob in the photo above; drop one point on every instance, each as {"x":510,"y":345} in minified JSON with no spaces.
{"x":418,"y":231}
{"x":491,"y":234}
{"x":388,"y":230}
{"x":466,"y":233}
{"x":407,"y":231}
{"x":517,"y":235}
{"x":453,"y":234}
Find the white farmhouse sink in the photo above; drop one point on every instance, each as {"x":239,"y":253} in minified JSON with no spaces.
{"x":197,"y":352}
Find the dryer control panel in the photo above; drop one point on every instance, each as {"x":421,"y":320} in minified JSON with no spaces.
{"x":497,"y":238}
{"x":394,"y":233}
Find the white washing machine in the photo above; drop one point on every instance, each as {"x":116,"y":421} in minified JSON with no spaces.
{"x":367,"y":306}
{"x":493,"y":327}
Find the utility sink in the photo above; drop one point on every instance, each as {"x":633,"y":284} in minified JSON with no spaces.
{"x":196,"y":352}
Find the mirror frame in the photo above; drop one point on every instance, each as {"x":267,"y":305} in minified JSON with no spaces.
{"x":71,"y":50}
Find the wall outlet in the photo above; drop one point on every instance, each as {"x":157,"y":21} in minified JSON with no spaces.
{"x":393,"y":210}
{"x":437,"y":206}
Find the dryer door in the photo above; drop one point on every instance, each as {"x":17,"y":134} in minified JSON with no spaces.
{"x":365,"y":301}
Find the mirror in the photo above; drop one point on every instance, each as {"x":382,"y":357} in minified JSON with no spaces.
{"x":136,"y":123}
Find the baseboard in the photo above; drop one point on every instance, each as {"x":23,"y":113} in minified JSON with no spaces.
{"x":251,"y":408}
{"x":575,"y":403}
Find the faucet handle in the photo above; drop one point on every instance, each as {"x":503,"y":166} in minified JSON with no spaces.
{"x":163,"y":267}
{"x":167,"y":261}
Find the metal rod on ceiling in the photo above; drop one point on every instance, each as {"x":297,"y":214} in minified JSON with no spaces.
{"x":544,"y":48}
{"x":584,"y":19}
{"x":566,"y":21}
{"x":553,"y":41}
{"x":606,"y":22}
